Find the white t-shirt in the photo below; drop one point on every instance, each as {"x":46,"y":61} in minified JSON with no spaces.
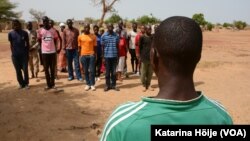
{"x":132,"y":36}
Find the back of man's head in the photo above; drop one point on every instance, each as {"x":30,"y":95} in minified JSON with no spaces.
{"x":178,"y":42}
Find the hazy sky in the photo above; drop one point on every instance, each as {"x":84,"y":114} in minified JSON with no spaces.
{"x":214,"y":10}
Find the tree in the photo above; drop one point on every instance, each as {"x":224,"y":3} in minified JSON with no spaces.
{"x":6,"y":12}
{"x":107,"y":6}
{"x":240,"y":25}
{"x":114,"y":18}
{"x":36,"y":15}
{"x":199,"y":18}
{"x":89,"y":20}
{"x":226,"y":25}
{"x":210,"y":26}
{"x":145,"y":19}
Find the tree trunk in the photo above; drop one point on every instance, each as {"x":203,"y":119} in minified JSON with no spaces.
{"x":102,"y":18}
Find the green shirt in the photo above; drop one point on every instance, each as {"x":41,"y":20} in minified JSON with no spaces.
{"x":132,"y":121}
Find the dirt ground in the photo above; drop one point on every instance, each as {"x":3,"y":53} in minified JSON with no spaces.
{"x":76,"y":115}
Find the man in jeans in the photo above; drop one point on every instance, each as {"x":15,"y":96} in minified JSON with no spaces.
{"x":87,"y":46}
{"x":110,"y":41}
{"x":19,"y":45}
{"x":70,"y":35}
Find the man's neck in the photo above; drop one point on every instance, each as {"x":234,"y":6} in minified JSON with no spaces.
{"x":176,"y":88}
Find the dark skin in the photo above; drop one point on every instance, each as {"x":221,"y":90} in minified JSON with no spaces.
{"x":47,"y":27}
{"x":17,"y":28}
{"x":51,"y":23}
{"x":110,"y":31}
{"x":70,"y":24}
{"x":87,"y":32}
{"x":142,"y":32}
{"x":172,"y":86}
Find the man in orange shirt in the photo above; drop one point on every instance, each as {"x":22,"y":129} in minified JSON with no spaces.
{"x":87,"y":47}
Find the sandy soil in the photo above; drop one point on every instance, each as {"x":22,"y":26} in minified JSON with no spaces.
{"x":76,"y":115}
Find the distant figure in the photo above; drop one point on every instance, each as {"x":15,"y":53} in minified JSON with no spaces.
{"x":144,"y":47}
{"x":19,"y":45}
{"x":33,"y":51}
{"x":87,"y":47}
{"x":122,"y":55}
{"x":39,"y":46}
{"x":131,"y":39}
{"x":175,"y":52}
{"x":137,"y":49}
{"x":70,"y":37}
{"x":62,"y":60}
{"x":98,"y":52}
{"x":48,"y":38}
{"x":58,"y":45}
{"x":110,"y":41}
{"x":123,"y":34}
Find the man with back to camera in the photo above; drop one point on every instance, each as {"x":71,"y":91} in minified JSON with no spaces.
{"x":175,"y":52}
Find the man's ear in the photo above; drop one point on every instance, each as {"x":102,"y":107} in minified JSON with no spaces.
{"x":154,"y":60}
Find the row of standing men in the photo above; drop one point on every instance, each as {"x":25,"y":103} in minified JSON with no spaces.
{"x":107,"y":49}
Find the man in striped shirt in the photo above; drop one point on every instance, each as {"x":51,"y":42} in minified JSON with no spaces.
{"x":110,"y":41}
{"x":175,"y":52}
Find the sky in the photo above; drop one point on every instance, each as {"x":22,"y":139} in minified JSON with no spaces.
{"x":215,"y":11}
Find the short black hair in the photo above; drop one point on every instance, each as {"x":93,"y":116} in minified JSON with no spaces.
{"x":178,"y":41}
{"x":95,"y":26}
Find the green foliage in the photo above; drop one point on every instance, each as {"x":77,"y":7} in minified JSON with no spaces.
{"x":227,"y":25}
{"x":89,"y":20}
{"x":6,"y":12}
{"x":210,"y":26}
{"x":145,"y":19}
{"x":240,"y":25}
{"x":199,"y":18}
{"x":114,"y":18}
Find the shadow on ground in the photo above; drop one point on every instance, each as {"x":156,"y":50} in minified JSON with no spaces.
{"x":37,"y":115}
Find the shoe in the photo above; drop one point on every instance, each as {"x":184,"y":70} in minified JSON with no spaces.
{"x":93,"y":88}
{"x":126,"y":75}
{"x":115,"y":88}
{"x":27,"y":87}
{"x":20,"y":87}
{"x":47,"y":88}
{"x":87,"y":88}
{"x":138,"y":74}
{"x":56,"y":78}
{"x":70,"y":79}
{"x":106,"y":89}
{"x":80,"y":79}
{"x":97,"y":79}
{"x":54,"y":88}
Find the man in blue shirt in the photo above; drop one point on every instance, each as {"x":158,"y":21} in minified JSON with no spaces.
{"x":19,"y":45}
{"x":99,"y":52}
{"x":110,"y":41}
